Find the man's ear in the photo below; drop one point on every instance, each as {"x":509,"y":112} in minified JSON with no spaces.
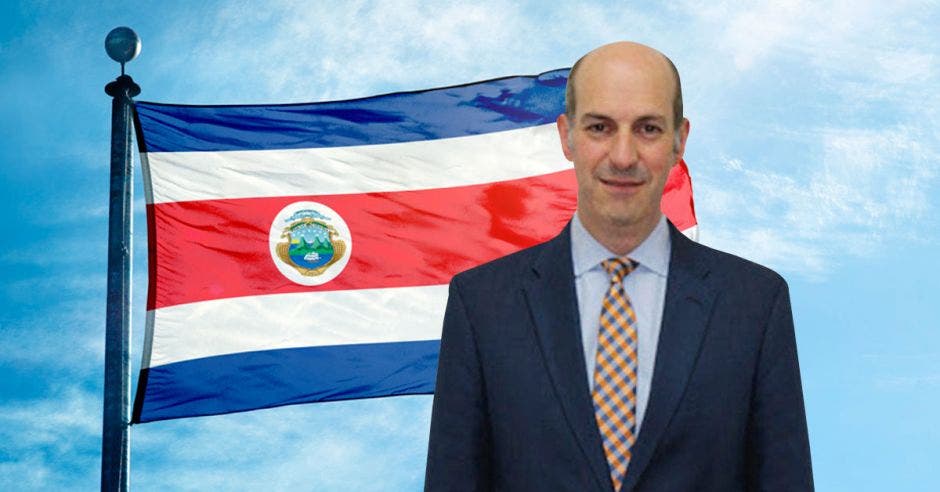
{"x":563,"y":135}
{"x":683,"y":134}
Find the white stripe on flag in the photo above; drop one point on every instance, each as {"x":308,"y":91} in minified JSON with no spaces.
{"x":442,"y":163}
{"x":342,"y":317}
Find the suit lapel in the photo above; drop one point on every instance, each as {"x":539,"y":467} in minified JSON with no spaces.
{"x":688,"y":303}
{"x":551,"y":296}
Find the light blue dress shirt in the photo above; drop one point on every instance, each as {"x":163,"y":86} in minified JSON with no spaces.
{"x":646,"y":287}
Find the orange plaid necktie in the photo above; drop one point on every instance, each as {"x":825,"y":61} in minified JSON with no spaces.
{"x":615,"y":371}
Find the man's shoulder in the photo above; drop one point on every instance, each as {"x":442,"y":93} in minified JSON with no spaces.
{"x":511,"y":268}
{"x":729,"y":269}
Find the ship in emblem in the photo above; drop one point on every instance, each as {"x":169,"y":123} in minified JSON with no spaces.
{"x":310,"y":243}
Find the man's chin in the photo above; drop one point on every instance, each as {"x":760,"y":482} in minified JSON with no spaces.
{"x":619,"y":219}
{"x":628,"y":219}
{"x":620,"y":222}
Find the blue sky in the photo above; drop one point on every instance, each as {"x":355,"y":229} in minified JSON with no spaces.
{"x":815,"y":149}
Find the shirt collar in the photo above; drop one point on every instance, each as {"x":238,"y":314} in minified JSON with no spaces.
{"x":651,"y":254}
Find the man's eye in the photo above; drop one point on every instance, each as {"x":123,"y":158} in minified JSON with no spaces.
{"x":597,"y":128}
{"x":651,"y":129}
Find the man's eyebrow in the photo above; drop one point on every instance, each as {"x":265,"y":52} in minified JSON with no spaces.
{"x":651,"y":117}
{"x":595,"y":116}
{"x":642,"y":119}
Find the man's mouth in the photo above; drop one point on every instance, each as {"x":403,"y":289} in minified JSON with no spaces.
{"x":621,"y":183}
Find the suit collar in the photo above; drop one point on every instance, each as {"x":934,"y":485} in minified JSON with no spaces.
{"x":688,"y":304}
{"x":550,"y":293}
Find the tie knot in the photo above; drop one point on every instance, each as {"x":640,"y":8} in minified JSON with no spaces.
{"x":618,"y":268}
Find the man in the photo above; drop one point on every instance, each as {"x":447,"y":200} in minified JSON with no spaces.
{"x":619,"y":355}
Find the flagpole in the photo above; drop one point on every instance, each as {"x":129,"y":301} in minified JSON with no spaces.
{"x":122,"y":45}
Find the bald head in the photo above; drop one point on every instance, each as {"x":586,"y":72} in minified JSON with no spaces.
{"x":625,"y":53}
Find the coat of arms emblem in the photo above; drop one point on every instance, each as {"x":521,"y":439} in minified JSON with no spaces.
{"x":310,"y":243}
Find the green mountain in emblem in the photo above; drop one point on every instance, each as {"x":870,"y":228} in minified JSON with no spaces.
{"x":317,"y":246}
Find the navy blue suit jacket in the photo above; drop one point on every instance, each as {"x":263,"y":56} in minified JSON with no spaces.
{"x":512,"y":410}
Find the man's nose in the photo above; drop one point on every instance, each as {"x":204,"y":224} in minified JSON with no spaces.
{"x":623,"y":150}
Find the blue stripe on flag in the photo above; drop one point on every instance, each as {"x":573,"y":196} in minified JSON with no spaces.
{"x":471,"y":109}
{"x":239,"y":382}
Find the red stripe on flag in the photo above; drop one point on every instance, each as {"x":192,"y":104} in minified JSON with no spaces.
{"x":202,"y":250}
{"x":677,"y":201}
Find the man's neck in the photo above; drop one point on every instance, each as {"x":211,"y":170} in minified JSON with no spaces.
{"x":619,"y":239}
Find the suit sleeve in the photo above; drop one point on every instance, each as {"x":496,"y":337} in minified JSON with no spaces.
{"x":778,"y":443}
{"x":458,"y":449}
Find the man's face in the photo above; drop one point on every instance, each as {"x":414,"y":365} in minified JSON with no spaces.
{"x":622,"y":140}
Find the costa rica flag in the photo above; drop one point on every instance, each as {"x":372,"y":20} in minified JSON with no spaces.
{"x":301,"y":252}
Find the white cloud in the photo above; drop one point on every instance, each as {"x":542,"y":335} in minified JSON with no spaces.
{"x":817,"y":129}
{"x":363,"y":48}
{"x":867,"y":187}
{"x":331,"y":446}
{"x":316,"y":53}
{"x":65,"y":335}
{"x":51,"y":443}
{"x":771,"y":247}
{"x":920,"y":381}
{"x":906,"y":66}
{"x":832,"y":34}
{"x":905,"y":371}
{"x":69,"y":285}
{"x":754,"y":33}
{"x":79,"y":209}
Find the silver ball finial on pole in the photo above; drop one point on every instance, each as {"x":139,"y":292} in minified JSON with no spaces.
{"x":122,"y":45}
